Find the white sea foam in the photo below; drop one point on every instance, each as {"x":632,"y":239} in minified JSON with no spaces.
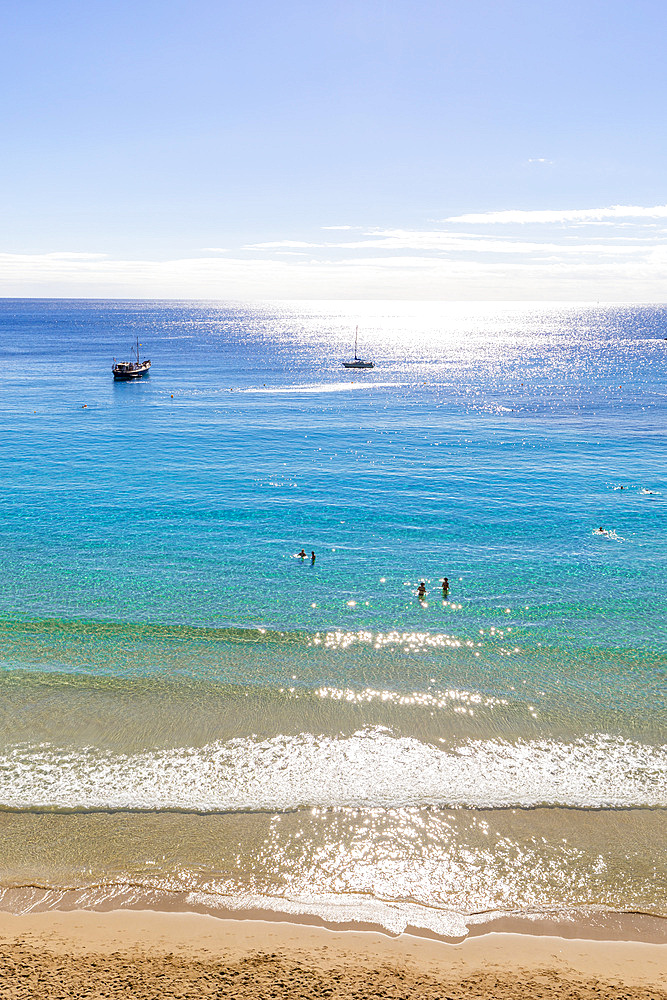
{"x":318,"y":387}
{"x":394,"y":915}
{"x":608,"y":533}
{"x":369,"y":768}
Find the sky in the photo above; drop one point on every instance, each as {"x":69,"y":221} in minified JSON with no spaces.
{"x":431,"y":149}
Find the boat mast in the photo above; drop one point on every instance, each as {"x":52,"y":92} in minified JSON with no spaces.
{"x":137,"y":348}
{"x":356,"y":335}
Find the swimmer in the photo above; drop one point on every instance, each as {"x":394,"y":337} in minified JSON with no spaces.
{"x":302,"y":553}
{"x":445,"y":588}
{"x":312,"y":558}
{"x":421,"y":592}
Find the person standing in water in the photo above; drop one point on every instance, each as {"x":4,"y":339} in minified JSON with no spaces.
{"x":302,"y":554}
{"x":312,"y":558}
{"x":445,"y":588}
{"x":421,"y":591}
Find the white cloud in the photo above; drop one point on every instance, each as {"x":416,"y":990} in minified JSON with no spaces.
{"x":442,"y":241}
{"x":567,"y":215}
{"x":280,"y":245}
{"x":68,"y":255}
{"x":614,"y":262}
{"x":406,"y":275}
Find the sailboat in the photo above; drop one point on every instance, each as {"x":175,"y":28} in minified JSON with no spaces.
{"x":358,"y":362}
{"x":131,"y":369}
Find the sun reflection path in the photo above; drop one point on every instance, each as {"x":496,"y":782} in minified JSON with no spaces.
{"x":409,"y":642}
{"x":426,"y":699}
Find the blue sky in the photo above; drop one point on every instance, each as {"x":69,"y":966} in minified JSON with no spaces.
{"x":455,"y":150}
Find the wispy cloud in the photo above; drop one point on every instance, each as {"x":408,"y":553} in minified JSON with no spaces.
{"x":61,"y":255}
{"x":457,"y":243}
{"x":280,"y":245}
{"x":622,"y":255}
{"x":565,"y":215}
{"x":412,"y":274}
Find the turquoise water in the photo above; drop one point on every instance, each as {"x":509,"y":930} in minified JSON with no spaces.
{"x":178,"y":688}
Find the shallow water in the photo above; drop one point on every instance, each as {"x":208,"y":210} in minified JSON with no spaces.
{"x":186,"y":708}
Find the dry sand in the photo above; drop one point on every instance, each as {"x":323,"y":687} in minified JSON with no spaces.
{"x":143,"y":954}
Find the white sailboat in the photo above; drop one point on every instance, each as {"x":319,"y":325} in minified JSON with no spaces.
{"x":358,"y":362}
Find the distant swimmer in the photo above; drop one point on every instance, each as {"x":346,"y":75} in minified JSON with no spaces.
{"x":421,"y":591}
{"x":312,"y":558}
{"x":445,"y":588}
{"x":302,"y":553}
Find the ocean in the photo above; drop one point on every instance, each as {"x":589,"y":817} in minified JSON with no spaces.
{"x":194,"y":717}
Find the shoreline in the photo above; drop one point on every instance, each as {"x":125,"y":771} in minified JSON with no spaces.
{"x":288,"y":959}
{"x":589,"y":925}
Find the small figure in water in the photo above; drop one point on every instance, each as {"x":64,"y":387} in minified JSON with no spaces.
{"x":445,"y":588}
{"x":421,"y":592}
{"x":312,"y":558}
{"x":302,"y":553}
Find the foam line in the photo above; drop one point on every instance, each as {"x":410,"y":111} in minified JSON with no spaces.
{"x":370,"y":768}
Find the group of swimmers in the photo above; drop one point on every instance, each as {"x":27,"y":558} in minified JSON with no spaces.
{"x":421,"y":590}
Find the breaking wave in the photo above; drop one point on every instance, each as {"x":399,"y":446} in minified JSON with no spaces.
{"x":372,"y":767}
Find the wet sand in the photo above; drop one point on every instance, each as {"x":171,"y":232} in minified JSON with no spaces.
{"x":149,"y":955}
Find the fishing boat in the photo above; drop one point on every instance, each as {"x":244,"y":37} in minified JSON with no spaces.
{"x":131,"y":369}
{"x":358,"y":362}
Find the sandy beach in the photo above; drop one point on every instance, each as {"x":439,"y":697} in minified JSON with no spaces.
{"x":147,"y":954}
